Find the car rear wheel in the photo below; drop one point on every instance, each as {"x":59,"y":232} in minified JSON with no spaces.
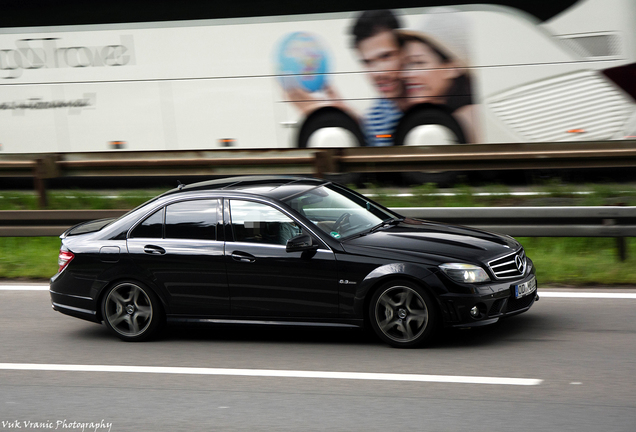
{"x":402,"y":314}
{"x":131,"y":311}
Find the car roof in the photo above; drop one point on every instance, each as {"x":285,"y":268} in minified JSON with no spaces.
{"x":277,"y":187}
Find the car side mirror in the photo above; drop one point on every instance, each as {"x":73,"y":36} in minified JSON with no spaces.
{"x":300,"y":243}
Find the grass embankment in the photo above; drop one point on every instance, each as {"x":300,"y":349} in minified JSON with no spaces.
{"x":77,"y":200}
{"x":559,"y":261}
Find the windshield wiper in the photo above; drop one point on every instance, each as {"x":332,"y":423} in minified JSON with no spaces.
{"x":386,"y":223}
{"x":383,"y":224}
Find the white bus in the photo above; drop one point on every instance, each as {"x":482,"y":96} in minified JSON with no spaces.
{"x":460,"y":74}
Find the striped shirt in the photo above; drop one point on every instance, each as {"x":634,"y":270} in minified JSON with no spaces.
{"x":380,"y":122}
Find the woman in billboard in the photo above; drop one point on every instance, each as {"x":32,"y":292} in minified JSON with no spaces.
{"x":437,"y":81}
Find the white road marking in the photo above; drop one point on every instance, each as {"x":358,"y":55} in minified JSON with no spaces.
{"x":587,"y":295}
{"x":272,"y":373}
{"x":24,"y":287}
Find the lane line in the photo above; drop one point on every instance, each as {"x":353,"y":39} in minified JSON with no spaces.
{"x":587,"y":295}
{"x":272,"y":373}
{"x":24,"y":287}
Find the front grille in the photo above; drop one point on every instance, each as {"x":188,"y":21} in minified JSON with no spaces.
{"x":509,"y":266}
{"x":515,"y":304}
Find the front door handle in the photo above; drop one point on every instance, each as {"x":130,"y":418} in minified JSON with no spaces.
{"x":242,"y":257}
{"x":154,"y":250}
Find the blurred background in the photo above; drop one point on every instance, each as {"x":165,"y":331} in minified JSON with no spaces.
{"x":429,"y":104}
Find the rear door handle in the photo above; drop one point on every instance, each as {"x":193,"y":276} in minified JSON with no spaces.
{"x":241,"y":257}
{"x":154,"y":250}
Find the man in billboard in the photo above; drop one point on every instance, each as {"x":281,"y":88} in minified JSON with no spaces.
{"x":379,"y":50}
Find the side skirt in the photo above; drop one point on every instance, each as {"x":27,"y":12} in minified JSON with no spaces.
{"x":182,"y":319}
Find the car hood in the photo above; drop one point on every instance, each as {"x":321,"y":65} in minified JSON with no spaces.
{"x":439,"y":242}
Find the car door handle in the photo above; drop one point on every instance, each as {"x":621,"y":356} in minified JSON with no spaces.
{"x":154,"y":250}
{"x":243,"y":258}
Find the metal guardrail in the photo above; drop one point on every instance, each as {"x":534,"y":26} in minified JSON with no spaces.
{"x":318,"y":162}
{"x":47,"y":223}
{"x":471,"y":157}
{"x":617,"y":222}
{"x":607,"y":221}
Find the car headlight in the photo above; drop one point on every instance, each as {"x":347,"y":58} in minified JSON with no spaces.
{"x":466,"y":273}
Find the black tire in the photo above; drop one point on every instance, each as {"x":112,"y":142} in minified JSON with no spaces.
{"x":428,"y":115}
{"x":132,"y":311}
{"x":402,"y":314}
{"x":325,"y":118}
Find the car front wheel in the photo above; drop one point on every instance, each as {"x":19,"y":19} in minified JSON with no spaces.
{"x":402,"y":314}
{"x":131,"y":311}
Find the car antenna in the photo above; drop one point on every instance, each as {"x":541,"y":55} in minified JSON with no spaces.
{"x":180,"y":185}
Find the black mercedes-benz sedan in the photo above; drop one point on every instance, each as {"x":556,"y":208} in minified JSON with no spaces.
{"x":291,"y":251}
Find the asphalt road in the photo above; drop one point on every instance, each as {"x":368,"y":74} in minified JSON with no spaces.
{"x":582,"y":352}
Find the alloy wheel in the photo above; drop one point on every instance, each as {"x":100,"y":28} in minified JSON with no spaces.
{"x":128,"y":310}
{"x":401,"y":314}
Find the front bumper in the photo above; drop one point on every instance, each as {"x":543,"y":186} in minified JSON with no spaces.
{"x":494,"y":301}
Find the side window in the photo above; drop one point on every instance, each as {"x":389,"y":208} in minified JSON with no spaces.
{"x":259,"y":223}
{"x":152,"y":227}
{"x":196,"y":219}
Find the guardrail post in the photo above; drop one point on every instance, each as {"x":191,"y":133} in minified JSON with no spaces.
{"x":621,"y":245}
{"x":45,"y":167}
{"x":323,"y":163}
{"x":39,"y":183}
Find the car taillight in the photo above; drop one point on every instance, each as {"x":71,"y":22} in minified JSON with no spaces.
{"x":64,"y":258}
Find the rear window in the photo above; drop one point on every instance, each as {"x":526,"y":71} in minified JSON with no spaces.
{"x":90,"y":227}
{"x":194,"y":219}
{"x":151,"y":227}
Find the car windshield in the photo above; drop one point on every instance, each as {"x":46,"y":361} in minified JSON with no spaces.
{"x":338,"y":211}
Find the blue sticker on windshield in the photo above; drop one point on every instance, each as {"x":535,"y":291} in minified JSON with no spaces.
{"x":335,"y":234}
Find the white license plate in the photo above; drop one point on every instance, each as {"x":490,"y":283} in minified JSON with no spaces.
{"x":526,"y":288}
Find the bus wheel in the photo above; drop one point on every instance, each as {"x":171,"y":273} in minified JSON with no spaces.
{"x":425,"y":127}
{"x":330,"y":127}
